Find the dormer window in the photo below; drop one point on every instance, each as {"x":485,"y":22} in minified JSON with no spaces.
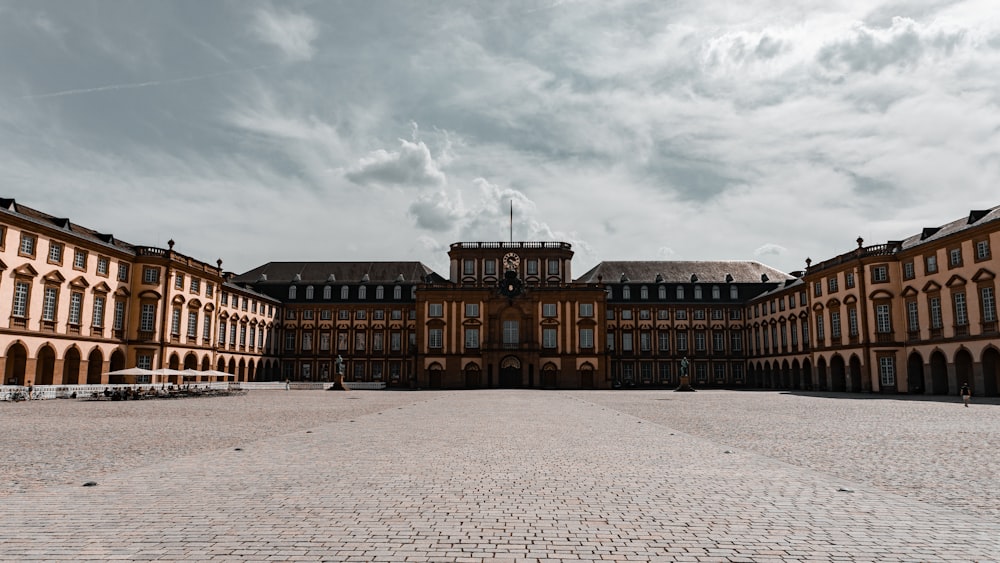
{"x":309,"y":292}
{"x":292,"y":291}
{"x":626,"y":292}
{"x":344,"y":292}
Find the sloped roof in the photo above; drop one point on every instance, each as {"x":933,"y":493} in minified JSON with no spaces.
{"x":975,"y":218}
{"x":712,"y":271}
{"x":343,"y":272}
{"x":35,"y":216}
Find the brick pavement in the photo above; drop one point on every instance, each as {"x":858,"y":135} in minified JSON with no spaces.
{"x":485,"y":475}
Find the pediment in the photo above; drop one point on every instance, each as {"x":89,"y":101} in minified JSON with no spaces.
{"x":983,"y":275}
{"x":25,"y":270}
{"x":955,"y":280}
{"x":909,"y":291}
{"x":55,"y":276}
{"x":931,"y":287}
{"x":102,"y":287}
{"x":122,"y":291}
{"x":79,"y":282}
{"x":880,"y":294}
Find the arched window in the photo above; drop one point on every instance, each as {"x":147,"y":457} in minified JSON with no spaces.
{"x":362,"y":292}
{"x":327,"y":292}
{"x":309,"y":292}
{"x":697,"y":292}
{"x":716,"y":294}
{"x":661,"y":292}
{"x":380,"y":292}
{"x":413,"y":292}
{"x":397,"y":292}
{"x":626,"y":292}
{"x":643,"y":292}
{"x":680,"y":292}
{"x":734,"y":292}
{"x":292,"y":290}
{"x":343,"y":292}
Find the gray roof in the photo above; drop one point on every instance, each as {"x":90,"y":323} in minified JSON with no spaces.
{"x":11,"y":206}
{"x":713,"y":271}
{"x":342,"y":272}
{"x":974,"y":219}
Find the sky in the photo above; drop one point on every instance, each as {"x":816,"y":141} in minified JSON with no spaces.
{"x":257,"y":131}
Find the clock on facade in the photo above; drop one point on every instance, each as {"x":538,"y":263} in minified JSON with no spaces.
{"x":510,"y":262}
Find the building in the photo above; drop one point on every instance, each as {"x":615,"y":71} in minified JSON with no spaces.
{"x":911,"y":316}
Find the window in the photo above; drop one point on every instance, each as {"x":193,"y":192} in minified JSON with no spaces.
{"x":192,"y":325}
{"x":310,"y":292}
{"x":360,"y":315}
{"x":232,"y":333}
{"x":147,"y":317}
{"x":645,"y":342}
{"x":663,"y":341}
{"x":344,"y":292}
{"x":490,"y":267}
{"x":344,"y":315}
{"x":98,"y":316}
{"x":222,"y":333}
{"x":327,"y":292}
{"x":435,"y":336}
{"x":699,"y":341}
{"x":324,"y":341}
{"x":379,"y":292}
{"x":736,"y":341}
{"x":735,"y":314}
{"x":20,"y":308}
{"x":362,"y":292}
{"x":206,"y":331}
{"x":718,"y":315}
{"x":292,"y":292}
{"x":679,"y":293}
{"x":472,"y":310}
{"x":468,"y":267}
{"x":626,"y":341}
{"x":643,"y":292}
{"x":835,"y":324}
{"x":934,"y":304}
{"x":253,"y":335}
{"x":144,"y":361}
{"x":626,"y":314}
{"x":175,"y":323}
{"x":849,"y":279}
{"x":989,"y":304}
{"x":887,"y":371}
{"x":532,"y":267}
{"x":831,"y":284}
{"x":548,"y":338}
{"x":435,"y":310}
{"x":511,"y":334}
{"x":699,"y":314}
{"x":290,"y":314}
{"x":912,"y":318}
{"x":716,"y":292}
{"x":586,"y":338}
{"x":122,"y":272}
{"x":961,"y":312}
{"x":225,"y":298}
{"x":307,"y":315}
{"x":289,"y":340}
{"x":548,"y":310}
{"x":954,"y":257}
{"x":179,"y":281}
{"x":719,"y":341}
{"x":397,"y":292}
{"x":820,"y":331}
{"x":852,"y":321}
{"x":378,"y":314}
{"x":681,"y":315}
{"x":682,"y":342}
{"x":586,"y":310}
{"x":55,"y":252}
{"x":195,"y":286}
{"x":27,"y":247}
{"x":396,"y":315}
{"x":734,"y":292}
{"x":307,"y":341}
{"x":553,"y":267}
{"x":326,"y":314}
{"x":883,"y":318}
{"x":982,"y":250}
{"x":930,"y":264}
{"x":645,"y":314}
{"x":49,"y":304}
{"x":119,"y":323}
{"x":75,"y":305}
{"x":880,"y":274}
{"x":626,"y":292}
{"x":342,"y":341}
{"x":908,"y":271}
{"x":697,"y":292}
{"x":472,"y":338}
{"x":817,"y":288}
{"x":395,"y":341}
{"x":663,"y":314}
{"x":150,"y":274}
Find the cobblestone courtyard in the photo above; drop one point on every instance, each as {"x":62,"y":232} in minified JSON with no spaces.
{"x":502,"y":475}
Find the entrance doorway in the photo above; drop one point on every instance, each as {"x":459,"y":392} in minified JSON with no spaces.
{"x":510,"y":372}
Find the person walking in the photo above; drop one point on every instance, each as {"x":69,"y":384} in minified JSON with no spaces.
{"x":966,"y":394}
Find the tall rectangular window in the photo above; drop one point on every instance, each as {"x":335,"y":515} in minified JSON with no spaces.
{"x":206,"y":331}
{"x":395,"y":342}
{"x":222,"y":332}
{"x":852,"y":321}
{"x":468,"y":266}
{"x":49,"y":304}
{"x":307,"y":339}
{"x":27,"y":247}
{"x":122,"y":272}
{"x":435,"y":310}
{"x":533,"y":267}
{"x":831,"y":283}
{"x":930,"y":264}
{"x":548,"y":310}
{"x":849,"y":279}
{"x":982,"y":249}
{"x":232,"y":334}
{"x":880,"y":274}
{"x":820,"y":332}
{"x":626,"y":341}
{"x":663,"y":341}
{"x":548,"y":338}
{"x":175,"y":323}
{"x":150,"y":275}
{"x":103,"y":265}
{"x":883,"y":318}
{"x":119,"y":323}
{"x":472,"y":310}
{"x":179,"y":281}
{"x":736,"y":341}
{"x":887,"y":371}
{"x":586,"y":338}
{"x":912,"y":320}
{"x":682,"y":342}
{"x":20,"y":308}
{"x":511,"y":334}
{"x":908,"y":271}
{"x":147,"y":317}
{"x":989,"y":304}
{"x":935,"y":308}
{"x":961,"y":312}
{"x":192,"y":325}
{"x":80,"y":259}
{"x":435,"y":337}
{"x":98,"y":317}
{"x":553,"y":267}
{"x":586,"y":310}
{"x":955,"y":257}
{"x":835,"y":324}
{"x":289,"y":340}
{"x":645,"y":342}
{"x":472,"y":338}
{"x":55,"y":252}
{"x":490,"y":267}
{"x":75,"y":307}
{"x":377,"y":341}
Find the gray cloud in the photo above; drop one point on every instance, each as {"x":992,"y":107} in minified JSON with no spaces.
{"x":412,"y":165}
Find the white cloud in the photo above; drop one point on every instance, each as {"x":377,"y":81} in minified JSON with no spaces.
{"x":293,"y":33}
{"x":412,"y":165}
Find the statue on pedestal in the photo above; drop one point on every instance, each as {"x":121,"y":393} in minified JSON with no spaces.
{"x":338,"y":375}
{"x":685,"y":384}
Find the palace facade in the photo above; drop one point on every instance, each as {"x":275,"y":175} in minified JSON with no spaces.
{"x":916,"y":315}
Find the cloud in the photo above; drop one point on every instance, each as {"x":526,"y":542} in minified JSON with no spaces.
{"x":412,"y":165}
{"x":293,"y":33}
{"x":770,"y":249}
{"x":902,"y":45}
{"x":436,"y":212}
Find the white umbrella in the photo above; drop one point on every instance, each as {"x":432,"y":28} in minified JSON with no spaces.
{"x":166,"y":372}
{"x":131,"y":371}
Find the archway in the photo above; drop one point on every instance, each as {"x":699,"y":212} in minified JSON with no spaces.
{"x":752,"y":376}
{"x":206,"y":364}
{"x":768,"y":376}
{"x":915,"y":374}
{"x":807,"y":381}
{"x":939,"y":374}
{"x":221,"y":364}
{"x":510,"y":372}
{"x":95,"y":367}
{"x":71,"y":367}
{"x":175,"y":362}
{"x":45,"y":366}
{"x":856,"y":385}
{"x":117,"y":360}
{"x":963,"y":370}
{"x":786,"y":377}
{"x":821,"y":383}
{"x":17,"y":360}
{"x":250,"y":371}
{"x":587,"y":376}
{"x":796,"y":374}
{"x":549,"y":376}
{"x":991,"y":372}
{"x":434,"y":374}
{"x":191,"y":361}
{"x":242,"y":376}
{"x":473,"y":376}
{"x":838,"y":374}
{"x":231,"y":370}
